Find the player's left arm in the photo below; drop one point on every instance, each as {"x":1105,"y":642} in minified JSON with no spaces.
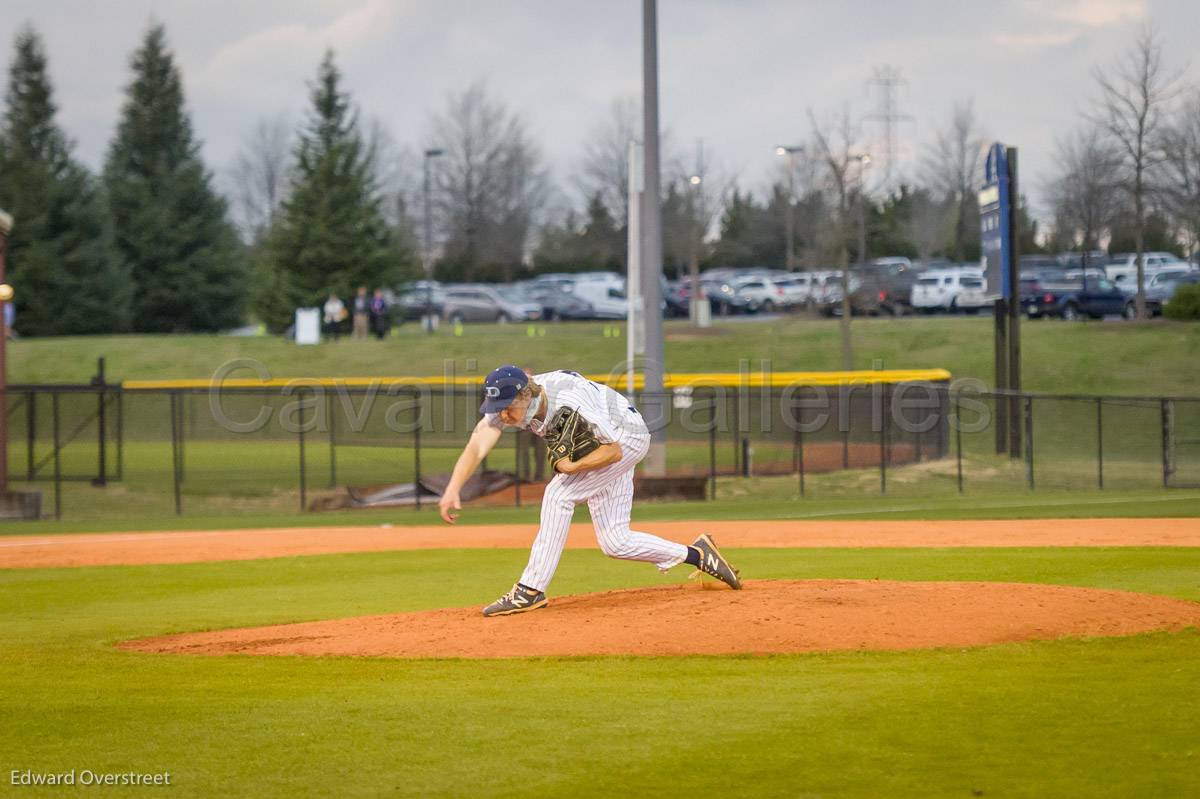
{"x":603,"y":455}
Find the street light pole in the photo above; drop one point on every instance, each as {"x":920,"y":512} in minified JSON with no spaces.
{"x":863,"y":162}
{"x":847,"y":303}
{"x":697,"y":305}
{"x":653,"y":403}
{"x":6,"y":292}
{"x":430,"y":154}
{"x":790,"y":153}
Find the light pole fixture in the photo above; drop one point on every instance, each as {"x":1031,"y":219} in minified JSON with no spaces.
{"x":790,"y":152}
{"x":430,"y":154}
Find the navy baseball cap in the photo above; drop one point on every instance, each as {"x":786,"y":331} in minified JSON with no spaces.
{"x":501,"y":388}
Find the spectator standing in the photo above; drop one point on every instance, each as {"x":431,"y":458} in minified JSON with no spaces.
{"x":362,"y":313}
{"x":335,"y":314}
{"x":380,"y":323}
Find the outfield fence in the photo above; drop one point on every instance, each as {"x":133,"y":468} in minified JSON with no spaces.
{"x":98,"y":448}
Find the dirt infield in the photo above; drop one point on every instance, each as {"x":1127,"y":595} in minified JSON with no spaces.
{"x":104,"y":549}
{"x":769,"y":616}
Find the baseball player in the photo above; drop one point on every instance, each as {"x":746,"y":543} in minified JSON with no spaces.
{"x":594,"y":439}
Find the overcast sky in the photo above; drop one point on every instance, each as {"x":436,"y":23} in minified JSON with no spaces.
{"x":738,"y":74}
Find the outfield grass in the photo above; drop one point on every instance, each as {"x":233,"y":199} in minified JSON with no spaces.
{"x":754,"y":503}
{"x":1102,"y":717}
{"x":1093,"y":357}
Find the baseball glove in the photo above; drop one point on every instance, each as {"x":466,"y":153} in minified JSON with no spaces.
{"x":568,"y":435}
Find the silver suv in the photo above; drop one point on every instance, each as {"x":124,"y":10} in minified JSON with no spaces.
{"x":480,"y":302}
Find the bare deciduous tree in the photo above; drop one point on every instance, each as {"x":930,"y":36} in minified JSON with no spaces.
{"x":490,"y":184}
{"x":953,"y":169}
{"x":395,"y":170}
{"x":1181,"y":168}
{"x":1085,"y":192}
{"x":260,"y":175}
{"x":605,"y":165}
{"x":834,"y":146}
{"x":1133,"y":96}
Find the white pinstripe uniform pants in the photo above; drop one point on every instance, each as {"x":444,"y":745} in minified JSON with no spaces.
{"x":608,"y":491}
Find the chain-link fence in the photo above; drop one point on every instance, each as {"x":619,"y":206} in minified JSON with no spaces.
{"x":106,"y":450}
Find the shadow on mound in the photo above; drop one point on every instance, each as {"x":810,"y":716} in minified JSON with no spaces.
{"x":769,"y":616}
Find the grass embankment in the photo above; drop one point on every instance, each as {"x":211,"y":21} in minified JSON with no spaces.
{"x":1093,"y":357}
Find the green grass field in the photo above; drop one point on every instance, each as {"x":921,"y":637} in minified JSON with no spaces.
{"x":1102,"y":717}
{"x":1093,"y":357}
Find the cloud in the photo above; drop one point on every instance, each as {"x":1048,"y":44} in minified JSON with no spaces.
{"x":1089,"y":13}
{"x":1031,"y":40}
{"x":290,"y":49}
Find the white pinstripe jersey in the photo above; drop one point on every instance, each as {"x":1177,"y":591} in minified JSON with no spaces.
{"x":610,"y":414}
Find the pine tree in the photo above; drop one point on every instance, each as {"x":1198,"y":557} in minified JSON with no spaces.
{"x":62,"y":265}
{"x":187,"y":264}
{"x":331,"y":234}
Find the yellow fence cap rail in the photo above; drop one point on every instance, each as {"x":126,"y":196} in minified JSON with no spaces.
{"x":617,"y":381}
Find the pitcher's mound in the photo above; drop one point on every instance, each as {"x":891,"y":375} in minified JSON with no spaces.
{"x":768,"y":616}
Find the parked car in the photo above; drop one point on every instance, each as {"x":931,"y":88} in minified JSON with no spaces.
{"x":762,"y":294}
{"x":1073,"y":300}
{"x":676,"y":296}
{"x":886,"y":287}
{"x":831,"y":297}
{"x":605,"y":299}
{"x":797,"y":288}
{"x":1037,"y":263}
{"x":823,"y":282}
{"x":941,"y":290}
{"x":1076,"y":260}
{"x":481,"y":302}
{"x":411,"y":302}
{"x":972,"y":294}
{"x":723,"y":298}
{"x":1121,"y":269}
{"x":1160,"y":289}
{"x":557,"y":301}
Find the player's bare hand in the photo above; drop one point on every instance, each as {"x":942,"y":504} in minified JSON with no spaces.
{"x":449,"y":506}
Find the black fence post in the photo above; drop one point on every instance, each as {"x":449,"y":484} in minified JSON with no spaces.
{"x":182,"y":435}
{"x":1100,"y":442}
{"x":331,"y":423}
{"x":846,"y":423}
{"x":120,"y":433}
{"x":799,"y":446}
{"x":57,"y":461}
{"x":883,"y":441}
{"x":737,"y":429}
{"x":1165,"y":413}
{"x":303,"y":475}
{"x":712,"y":447}
{"x":1028,"y":440}
{"x":176,"y":453}
{"x":417,"y":451}
{"x":101,"y":428}
{"x":957,"y":442}
{"x":30,"y":435}
{"x":745,"y":456}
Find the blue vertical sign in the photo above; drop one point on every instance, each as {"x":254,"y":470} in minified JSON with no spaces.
{"x":995,"y":212}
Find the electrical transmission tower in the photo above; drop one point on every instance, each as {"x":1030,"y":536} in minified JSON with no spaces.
{"x":886,"y":80}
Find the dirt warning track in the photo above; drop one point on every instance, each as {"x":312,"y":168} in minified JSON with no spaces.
{"x":103,"y":549}
{"x":769,"y":616}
